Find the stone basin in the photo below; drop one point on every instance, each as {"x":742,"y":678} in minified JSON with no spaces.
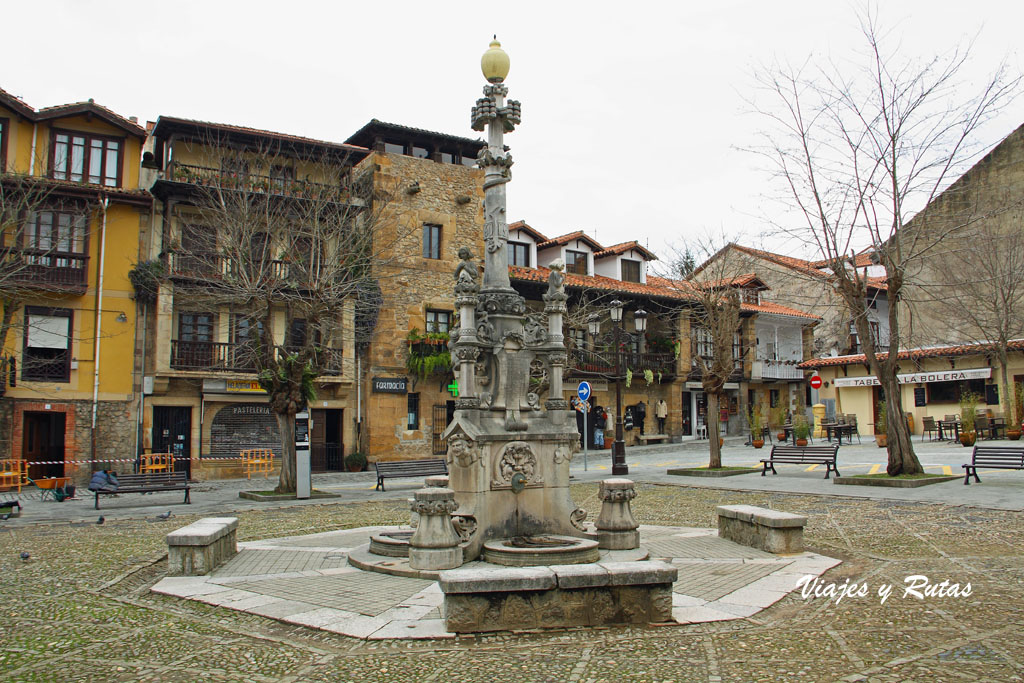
{"x":391,"y":543}
{"x":544,"y":550}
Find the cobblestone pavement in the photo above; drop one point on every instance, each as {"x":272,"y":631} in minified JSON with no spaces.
{"x":80,"y":607}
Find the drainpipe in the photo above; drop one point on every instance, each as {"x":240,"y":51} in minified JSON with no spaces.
{"x":142,"y":388}
{"x":99,"y":321}
{"x":32,"y":156}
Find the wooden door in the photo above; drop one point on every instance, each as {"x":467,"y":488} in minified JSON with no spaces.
{"x":43,"y":442}
{"x":172,"y":433}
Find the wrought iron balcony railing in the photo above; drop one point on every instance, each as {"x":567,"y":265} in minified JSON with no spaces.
{"x":586,"y":362}
{"x":225,"y":357}
{"x":205,"y":265}
{"x":253,"y":182}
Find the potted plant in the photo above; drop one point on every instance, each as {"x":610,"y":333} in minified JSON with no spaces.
{"x":968,"y":411}
{"x":1013,"y":426}
{"x":881,"y":431}
{"x":754,"y":419}
{"x":355,"y":462}
{"x":779,"y":419}
{"x":801,"y":430}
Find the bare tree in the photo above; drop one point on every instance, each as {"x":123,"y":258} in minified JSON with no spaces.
{"x":856,"y":146}
{"x":33,"y":248}
{"x":297,"y":262}
{"x":983,"y":292}
{"x":715,"y":318}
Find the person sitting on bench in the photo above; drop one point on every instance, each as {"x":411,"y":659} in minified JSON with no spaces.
{"x":103,"y":480}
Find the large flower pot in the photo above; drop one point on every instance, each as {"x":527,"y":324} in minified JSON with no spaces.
{"x":781,"y":436}
{"x":1013,"y":434}
{"x":967,"y":439}
{"x":881,"y":440}
{"x":759,"y":443}
{"x":801,"y":442}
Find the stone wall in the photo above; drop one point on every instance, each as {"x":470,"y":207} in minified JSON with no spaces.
{"x":423,"y":191}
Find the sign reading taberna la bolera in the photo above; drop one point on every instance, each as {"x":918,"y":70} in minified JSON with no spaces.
{"x":917,"y":377}
{"x":391,"y":385}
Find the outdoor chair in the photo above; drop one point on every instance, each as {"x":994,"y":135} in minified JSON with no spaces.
{"x":929,"y":427}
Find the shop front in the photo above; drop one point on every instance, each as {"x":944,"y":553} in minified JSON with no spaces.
{"x":932,"y":383}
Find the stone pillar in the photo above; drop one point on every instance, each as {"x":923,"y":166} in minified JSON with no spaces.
{"x":439,"y":481}
{"x":435,"y":544}
{"x":616,"y":528}
{"x":819,"y":416}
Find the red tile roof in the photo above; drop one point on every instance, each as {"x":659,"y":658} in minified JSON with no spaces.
{"x":968,"y":349}
{"x":17,"y":104}
{"x":90,"y":107}
{"x":659,"y":287}
{"x":565,"y":239}
{"x":522,"y":225}
{"x":802,"y":265}
{"x":166,"y":121}
{"x":623,"y":247}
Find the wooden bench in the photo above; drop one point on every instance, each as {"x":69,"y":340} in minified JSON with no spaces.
{"x":257,"y":461}
{"x":802,"y":455}
{"x":152,"y":482}
{"x":657,"y":438}
{"x":994,"y":457}
{"x":402,"y":469}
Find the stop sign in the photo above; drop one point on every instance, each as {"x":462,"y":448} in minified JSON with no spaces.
{"x":816,"y":382}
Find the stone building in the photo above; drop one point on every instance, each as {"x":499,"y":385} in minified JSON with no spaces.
{"x":71,"y":208}
{"x":771,"y":340}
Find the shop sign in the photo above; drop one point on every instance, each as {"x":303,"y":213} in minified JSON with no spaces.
{"x":391,"y":385}
{"x":243,"y":386}
{"x":918,"y":377}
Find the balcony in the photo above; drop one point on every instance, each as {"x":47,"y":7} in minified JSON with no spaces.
{"x":203,"y":176}
{"x":776,"y":369}
{"x":42,"y":269}
{"x":224,"y":357}
{"x":602,"y":363}
{"x":204,"y":266}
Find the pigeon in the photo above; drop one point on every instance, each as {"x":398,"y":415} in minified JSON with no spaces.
{"x":25,"y":556}
{"x":101,"y":520}
{"x":165,"y":515}
{"x":5,"y":517}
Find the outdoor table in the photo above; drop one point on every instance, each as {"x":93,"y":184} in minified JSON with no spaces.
{"x":788,"y":429}
{"x":950,"y":424}
{"x":838,"y":429}
{"x":995,"y":424}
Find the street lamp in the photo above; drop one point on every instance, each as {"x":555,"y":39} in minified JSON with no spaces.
{"x":619,"y":466}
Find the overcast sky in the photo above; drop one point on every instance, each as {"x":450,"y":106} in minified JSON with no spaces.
{"x":632,"y":112}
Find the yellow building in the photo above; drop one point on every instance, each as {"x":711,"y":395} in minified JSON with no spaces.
{"x":72,"y":212}
{"x":932,"y":380}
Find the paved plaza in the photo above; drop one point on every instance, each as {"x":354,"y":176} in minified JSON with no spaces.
{"x":81,"y":606}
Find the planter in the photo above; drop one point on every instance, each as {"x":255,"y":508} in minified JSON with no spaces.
{"x":881,"y":440}
{"x":721,"y":442}
{"x":896,"y":482}
{"x":1013,"y":434}
{"x":967,"y":439}
{"x":801,"y":442}
{"x":758,"y":443}
{"x":781,"y":436}
{"x":706,"y":472}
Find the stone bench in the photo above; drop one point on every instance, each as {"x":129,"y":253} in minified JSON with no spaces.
{"x":558,"y":596}
{"x":200,"y":547}
{"x":656,"y":438}
{"x":768,"y":530}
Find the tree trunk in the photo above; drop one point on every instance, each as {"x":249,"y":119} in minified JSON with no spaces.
{"x":1012,"y":419}
{"x":902,"y":459}
{"x":286,"y":426}
{"x":712,"y":422}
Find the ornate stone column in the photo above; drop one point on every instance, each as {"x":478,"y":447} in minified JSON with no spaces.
{"x":616,"y":528}
{"x":435,"y":544}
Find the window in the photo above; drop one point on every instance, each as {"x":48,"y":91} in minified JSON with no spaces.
{"x":749,"y":295}
{"x":438,"y":321}
{"x":4,"y":124}
{"x":56,"y":239}
{"x":413,"y":403}
{"x":281,"y":178}
{"x":630,"y":270}
{"x":394,"y":148}
{"x":737,"y":346}
{"x":874,"y":332}
{"x":195,"y":327}
{"x":773,"y":398}
{"x":771,"y":351}
{"x":431,"y":241}
{"x":79,"y":157}
{"x":578,"y":337}
{"x":576,"y":262}
{"x":519,"y":254}
{"x":47,"y":346}
{"x":950,"y":392}
{"x":245,"y":338}
{"x":705,"y":348}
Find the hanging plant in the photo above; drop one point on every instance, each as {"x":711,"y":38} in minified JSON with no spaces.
{"x":145,"y":278}
{"x":629,"y":377}
{"x":649,"y":377}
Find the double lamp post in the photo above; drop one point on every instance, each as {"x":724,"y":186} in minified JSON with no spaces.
{"x":615,"y":310}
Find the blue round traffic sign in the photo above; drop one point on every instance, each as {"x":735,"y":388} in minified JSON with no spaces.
{"x":583,"y":391}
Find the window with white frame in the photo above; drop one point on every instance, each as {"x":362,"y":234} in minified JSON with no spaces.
{"x":81,"y":157}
